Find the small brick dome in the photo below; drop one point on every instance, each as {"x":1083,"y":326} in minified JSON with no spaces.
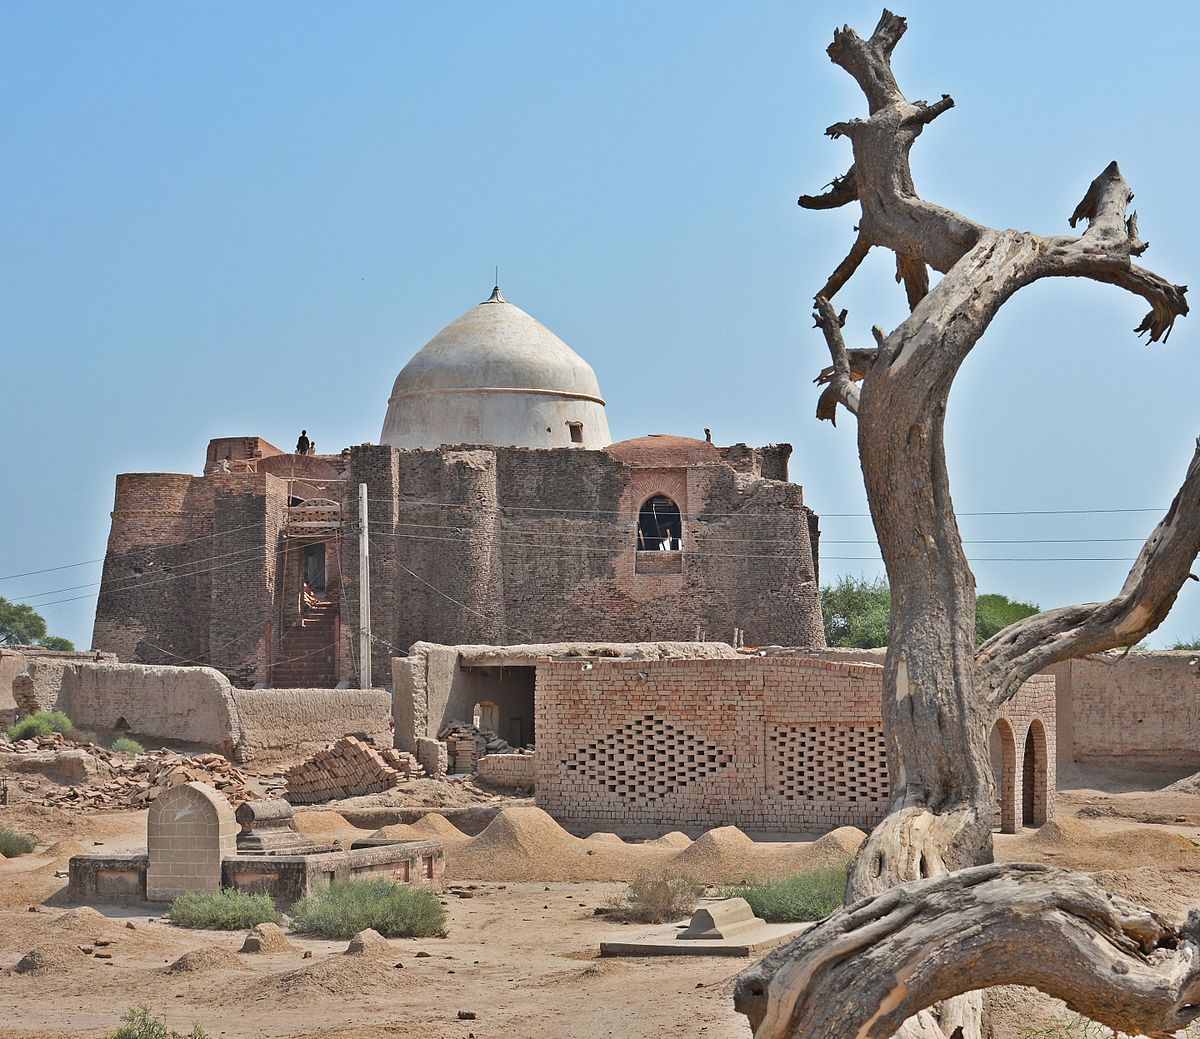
{"x":661,"y":449}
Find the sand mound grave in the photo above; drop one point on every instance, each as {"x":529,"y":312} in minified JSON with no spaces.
{"x":339,"y":977}
{"x":837,"y":846}
{"x":369,"y":942}
{"x":51,"y":958}
{"x":268,"y":938}
{"x":64,"y":849}
{"x":1075,"y":845}
{"x":521,"y":843}
{"x":323,"y":823}
{"x":203,"y":961}
{"x":429,"y":827}
{"x":674,"y":839}
{"x":603,"y":838}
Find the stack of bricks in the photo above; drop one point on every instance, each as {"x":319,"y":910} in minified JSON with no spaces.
{"x":349,"y":768}
{"x":465,"y":753}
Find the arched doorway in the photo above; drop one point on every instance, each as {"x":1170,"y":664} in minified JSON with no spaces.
{"x":1034,"y":776}
{"x":660,"y":526}
{"x":1002,"y":750}
{"x":486,"y":716}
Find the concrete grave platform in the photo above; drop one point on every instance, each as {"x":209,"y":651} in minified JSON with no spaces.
{"x":723,"y":927}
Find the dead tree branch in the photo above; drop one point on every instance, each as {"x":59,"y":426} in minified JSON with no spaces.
{"x":1023,"y":649}
{"x":839,"y":375}
{"x":871,"y":966}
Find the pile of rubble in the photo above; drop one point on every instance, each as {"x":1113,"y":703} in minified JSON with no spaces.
{"x":349,"y":768}
{"x":96,"y":778}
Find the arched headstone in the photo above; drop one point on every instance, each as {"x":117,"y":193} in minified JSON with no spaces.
{"x":190,"y":829}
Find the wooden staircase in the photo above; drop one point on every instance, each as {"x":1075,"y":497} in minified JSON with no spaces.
{"x":307,"y":653}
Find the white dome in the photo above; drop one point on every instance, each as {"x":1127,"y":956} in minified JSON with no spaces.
{"x":496,"y":376}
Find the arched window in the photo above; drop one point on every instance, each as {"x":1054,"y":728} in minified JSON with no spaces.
{"x":660,"y":527}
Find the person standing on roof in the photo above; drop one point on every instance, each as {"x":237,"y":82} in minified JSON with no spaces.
{"x":303,"y":444}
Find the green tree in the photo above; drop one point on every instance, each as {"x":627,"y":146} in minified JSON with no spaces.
{"x":857,"y":612}
{"x":995,"y":612}
{"x":22,"y":625}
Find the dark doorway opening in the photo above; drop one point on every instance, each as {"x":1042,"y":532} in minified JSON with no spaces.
{"x":314,"y":566}
{"x":504,"y":702}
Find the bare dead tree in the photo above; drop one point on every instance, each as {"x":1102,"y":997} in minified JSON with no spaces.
{"x":941,"y":694}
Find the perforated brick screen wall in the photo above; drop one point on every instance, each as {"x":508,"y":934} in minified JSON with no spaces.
{"x":766,"y":744}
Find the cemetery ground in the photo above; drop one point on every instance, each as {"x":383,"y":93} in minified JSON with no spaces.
{"x":521,"y":955}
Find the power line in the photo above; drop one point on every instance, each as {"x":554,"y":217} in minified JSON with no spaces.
{"x":617,"y":535}
{"x":562,"y":548}
{"x":155,"y":579}
{"x":140,"y":548}
{"x":822,"y":515}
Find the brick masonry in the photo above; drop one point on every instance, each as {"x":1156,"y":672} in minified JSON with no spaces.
{"x":766,"y":744}
{"x":190,"y":829}
{"x":468,"y":545}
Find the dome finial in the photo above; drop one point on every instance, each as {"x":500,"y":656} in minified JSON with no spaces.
{"x":496,"y":296}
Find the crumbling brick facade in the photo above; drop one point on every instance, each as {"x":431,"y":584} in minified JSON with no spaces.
{"x":468,"y":545}
{"x":766,"y":744}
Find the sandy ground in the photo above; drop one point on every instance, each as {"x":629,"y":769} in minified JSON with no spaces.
{"x":522,"y":950}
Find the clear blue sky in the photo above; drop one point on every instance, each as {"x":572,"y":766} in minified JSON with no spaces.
{"x":225,"y":219}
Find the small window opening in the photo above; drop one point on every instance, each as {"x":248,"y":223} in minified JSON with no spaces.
{"x":660,"y":526}
{"x":576,"y":429}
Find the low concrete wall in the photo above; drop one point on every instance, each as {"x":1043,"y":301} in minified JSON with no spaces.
{"x":301,"y":721}
{"x":185,"y":704}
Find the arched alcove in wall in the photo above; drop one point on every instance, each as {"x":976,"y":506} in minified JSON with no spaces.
{"x":1035,"y":794}
{"x":1002,"y":750}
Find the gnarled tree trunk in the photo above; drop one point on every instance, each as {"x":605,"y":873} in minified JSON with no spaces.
{"x":941,"y":694}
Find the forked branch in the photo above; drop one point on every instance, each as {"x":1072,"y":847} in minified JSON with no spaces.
{"x":1165,"y":562}
{"x":841,"y":375}
{"x":865,"y":970}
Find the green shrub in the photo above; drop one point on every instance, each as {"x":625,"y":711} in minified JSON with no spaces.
{"x":811,"y":895}
{"x":656,"y":897}
{"x":1192,"y":643}
{"x":124,"y":745}
{"x":40,"y":723}
{"x":226,"y":910}
{"x":346,"y":907}
{"x":13,"y":844}
{"x":137,"y":1023}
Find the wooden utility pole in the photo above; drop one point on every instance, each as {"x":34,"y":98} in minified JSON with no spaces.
{"x":364,"y":591}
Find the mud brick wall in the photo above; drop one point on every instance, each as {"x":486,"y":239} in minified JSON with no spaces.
{"x":278,"y":722}
{"x":765,"y":744}
{"x":1141,"y":709}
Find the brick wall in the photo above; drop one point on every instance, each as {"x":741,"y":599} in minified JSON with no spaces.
{"x":468,"y":545}
{"x":766,"y":744}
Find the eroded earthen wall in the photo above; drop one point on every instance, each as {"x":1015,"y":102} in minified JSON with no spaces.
{"x":1140,"y":710}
